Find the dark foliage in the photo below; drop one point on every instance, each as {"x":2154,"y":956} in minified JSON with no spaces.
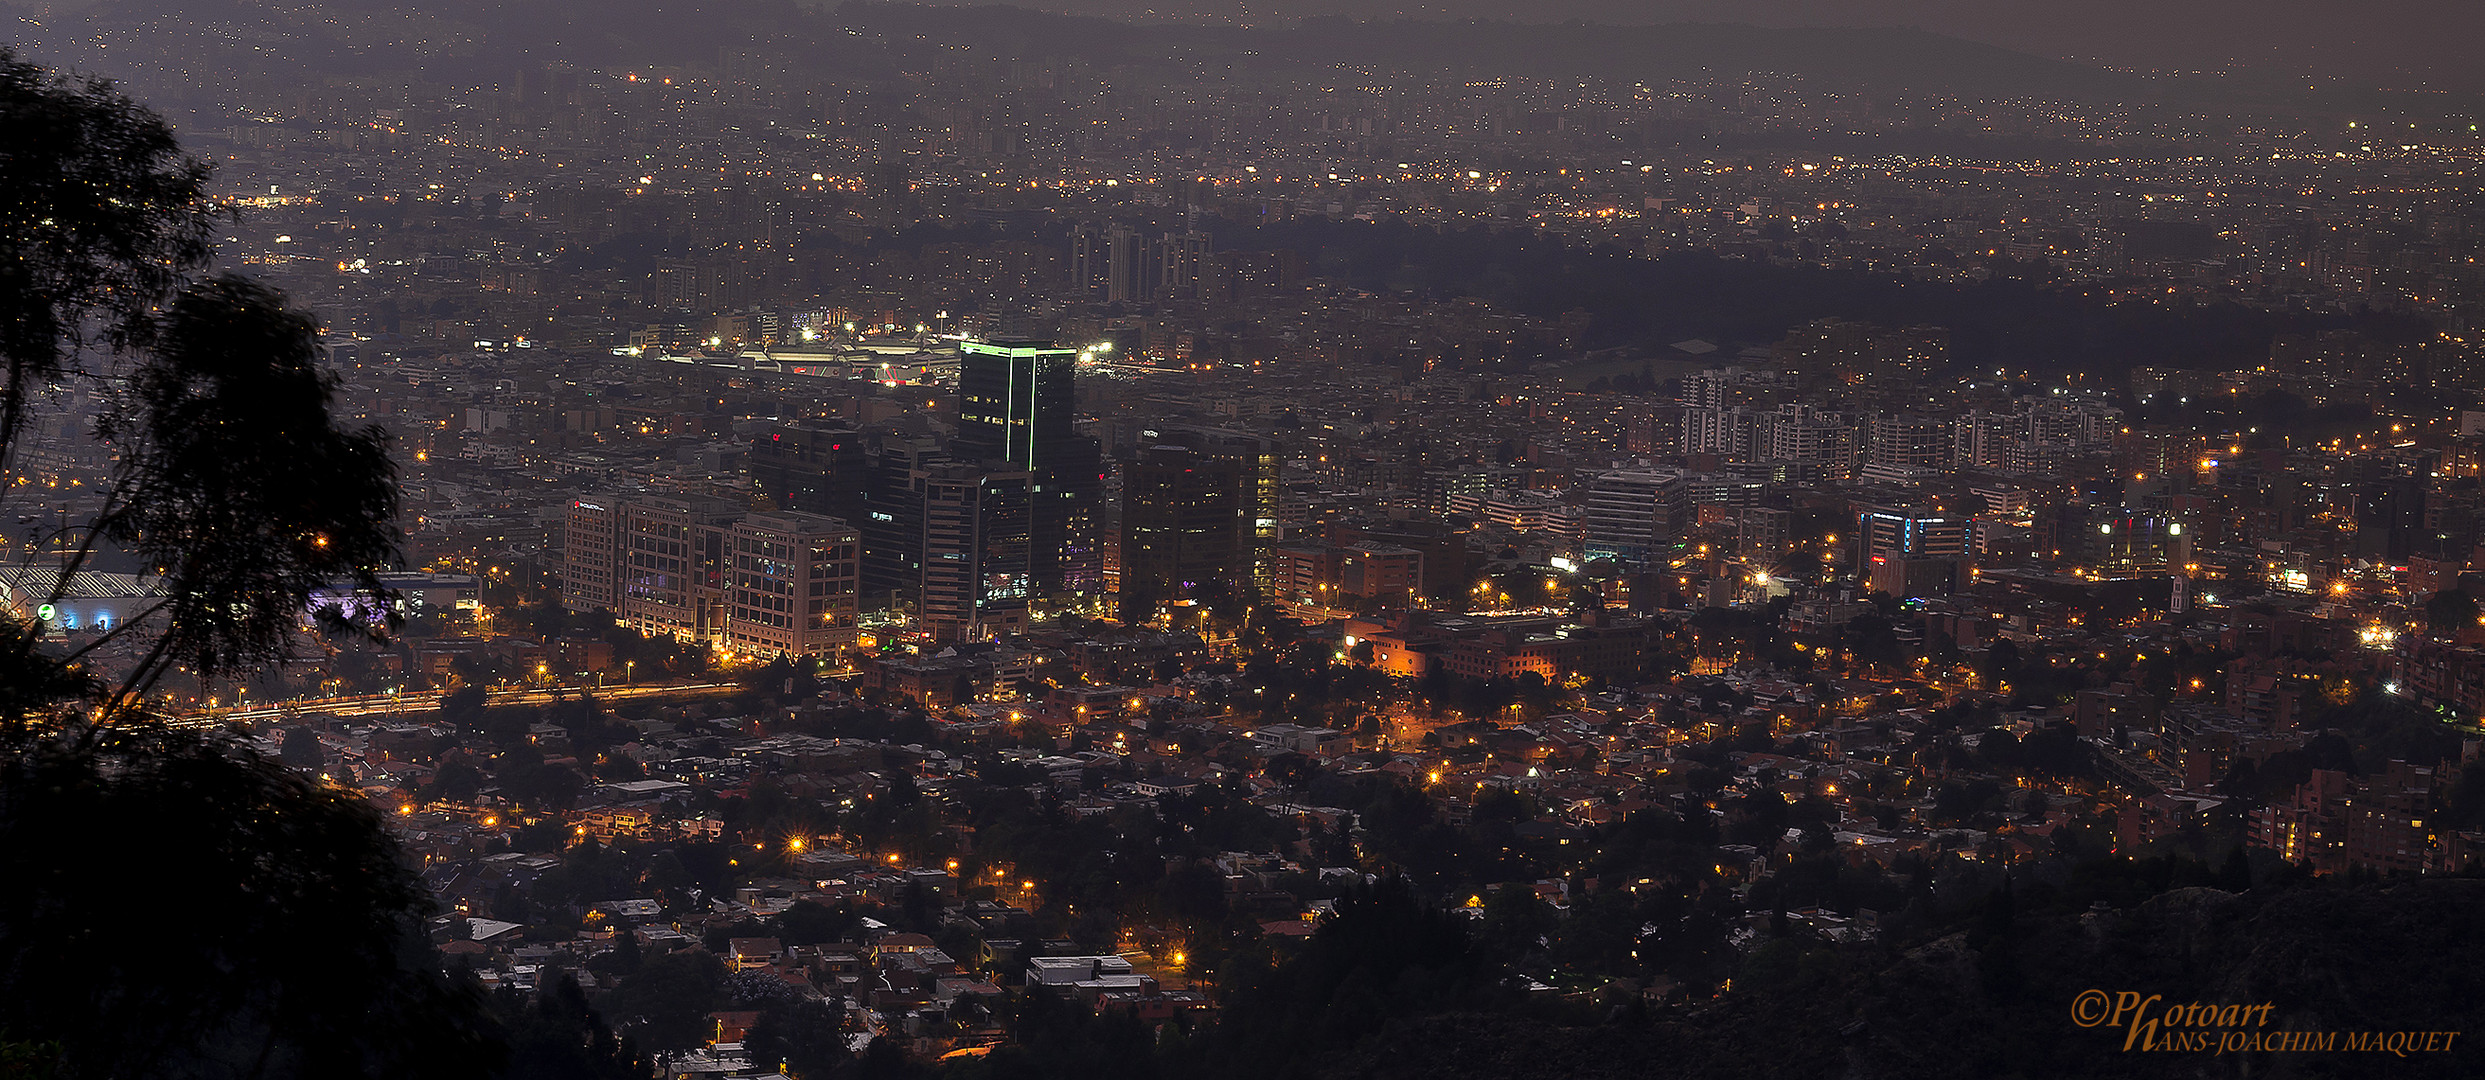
{"x":556,"y":1036}
{"x":1995,"y":1000}
{"x":102,"y":216}
{"x":803,"y":1039}
{"x":666,"y":1002}
{"x":291,"y":945}
{"x":238,"y":484}
{"x":1696,"y":294}
{"x":267,"y":925}
{"x":301,"y":749}
{"x":1384,"y":955}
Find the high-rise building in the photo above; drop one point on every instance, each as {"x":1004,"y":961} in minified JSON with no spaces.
{"x":1068,"y":521}
{"x":1259,"y":462}
{"x":1726,"y":432}
{"x":975,"y":577}
{"x":1804,"y":434}
{"x":1117,"y":263}
{"x":1018,"y":406}
{"x":1088,"y":259}
{"x":1189,"y":257}
{"x":2077,"y":421}
{"x":1016,"y":401}
{"x":588,"y":556}
{"x":1182,"y":527}
{"x":892,"y":522}
{"x":1199,"y":515}
{"x":1131,"y":266}
{"x":2390,"y":519}
{"x":671,"y":565}
{"x":702,"y":570}
{"x":653,"y":562}
{"x":811,"y":468}
{"x":1914,"y":533}
{"x":791,"y":589}
{"x":1907,"y":552}
{"x":1983,"y":440}
{"x":1634,"y":516}
{"x":1910,"y":442}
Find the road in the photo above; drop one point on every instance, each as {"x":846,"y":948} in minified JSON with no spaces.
{"x":425,"y":701}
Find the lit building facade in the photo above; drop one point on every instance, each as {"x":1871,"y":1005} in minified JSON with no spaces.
{"x":792,"y":585}
{"x":976,"y":580}
{"x":1635,"y":516}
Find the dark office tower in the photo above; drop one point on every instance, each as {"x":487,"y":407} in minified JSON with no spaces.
{"x":1090,"y":259}
{"x":1181,"y":527}
{"x":811,"y":468}
{"x":1255,"y":461}
{"x":1016,"y":406}
{"x":1069,"y":520}
{"x":892,"y":521}
{"x":1119,"y":264}
{"x":1016,"y":401}
{"x":1188,"y":257}
{"x":890,"y":185}
{"x":975,"y":545}
{"x":2390,"y":519}
{"x":1131,"y":266}
{"x":1199,"y":516}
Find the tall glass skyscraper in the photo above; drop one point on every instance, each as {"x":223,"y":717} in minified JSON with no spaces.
{"x":1018,"y":407}
{"x":1016,"y":401}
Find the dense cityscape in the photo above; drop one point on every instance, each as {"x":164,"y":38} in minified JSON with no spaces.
{"x":967,"y":541}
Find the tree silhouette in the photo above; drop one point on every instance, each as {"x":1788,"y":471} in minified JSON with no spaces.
{"x":1384,"y":954}
{"x":802,"y":1037}
{"x":558,"y":1035}
{"x":301,"y":749}
{"x":300,"y":951}
{"x":232,"y":481}
{"x":297,"y":946}
{"x":668,"y":999}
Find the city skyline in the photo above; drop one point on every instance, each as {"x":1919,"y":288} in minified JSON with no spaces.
{"x":704,"y":541}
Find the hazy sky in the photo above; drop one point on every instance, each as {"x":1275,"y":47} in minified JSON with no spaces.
{"x":2373,"y":41}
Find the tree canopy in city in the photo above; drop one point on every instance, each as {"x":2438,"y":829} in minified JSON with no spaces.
{"x":179,"y":903}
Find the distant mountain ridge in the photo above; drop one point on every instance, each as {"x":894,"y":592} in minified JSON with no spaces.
{"x":2370,"y":43}
{"x":1883,"y":57}
{"x":479,"y":37}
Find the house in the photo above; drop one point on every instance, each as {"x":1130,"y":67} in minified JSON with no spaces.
{"x":743,"y":954}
